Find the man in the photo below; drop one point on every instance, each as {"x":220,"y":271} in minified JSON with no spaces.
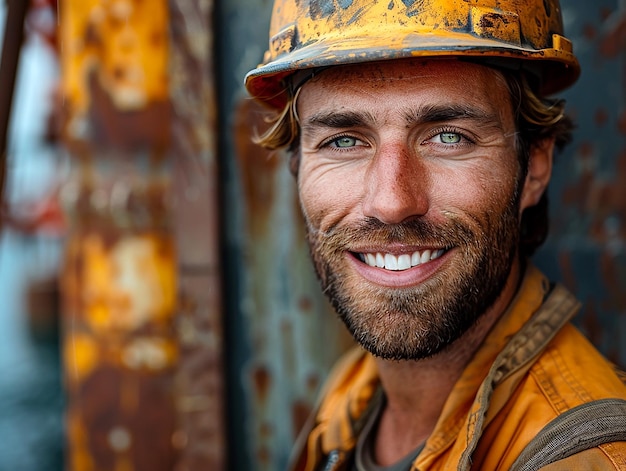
{"x":422,"y":142}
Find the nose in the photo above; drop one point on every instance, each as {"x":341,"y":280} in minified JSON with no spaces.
{"x":396,"y":186}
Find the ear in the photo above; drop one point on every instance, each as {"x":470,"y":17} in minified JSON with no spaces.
{"x":539,"y":172}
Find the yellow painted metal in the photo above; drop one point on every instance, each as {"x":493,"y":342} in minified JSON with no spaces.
{"x":122,"y":45}
{"x":306,"y":34}
{"x":120,"y":349}
{"x":119,"y":280}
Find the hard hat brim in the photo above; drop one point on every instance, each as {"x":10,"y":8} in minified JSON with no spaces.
{"x":558,"y":68}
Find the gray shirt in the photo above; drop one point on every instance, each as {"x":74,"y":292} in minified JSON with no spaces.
{"x":364,"y":456}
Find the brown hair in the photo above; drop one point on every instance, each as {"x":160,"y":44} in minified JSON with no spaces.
{"x":536,"y":118}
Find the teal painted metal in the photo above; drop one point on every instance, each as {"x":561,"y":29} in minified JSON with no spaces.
{"x":587,"y":246}
{"x":281,"y":336}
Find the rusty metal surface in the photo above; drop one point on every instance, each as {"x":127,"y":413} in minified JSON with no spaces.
{"x":201,"y":401}
{"x":143,"y":359}
{"x":587,"y":246}
{"x":291,"y":330}
{"x":120,"y":350}
{"x":119,"y":275}
{"x":282,"y":338}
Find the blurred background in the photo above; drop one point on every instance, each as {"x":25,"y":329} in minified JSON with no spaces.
{"x":157,"y":306}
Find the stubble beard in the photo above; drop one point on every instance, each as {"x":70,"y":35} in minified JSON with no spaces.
{"x":418,"y":322}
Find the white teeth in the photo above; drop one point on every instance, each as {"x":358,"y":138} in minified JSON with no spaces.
{"x":415,"y":258}
{"x":402,"y":262}
{"x":391,"y":262}
{"x":380,"y":261}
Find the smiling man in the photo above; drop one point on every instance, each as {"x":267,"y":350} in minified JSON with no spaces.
{"x":422,"y":139}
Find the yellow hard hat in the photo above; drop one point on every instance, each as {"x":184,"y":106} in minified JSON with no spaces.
{"x":309,"y":34}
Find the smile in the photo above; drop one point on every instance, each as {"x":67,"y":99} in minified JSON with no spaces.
{"x":399,"y":262}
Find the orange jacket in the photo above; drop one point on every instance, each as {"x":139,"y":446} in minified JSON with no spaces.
{"x":533,"y":366}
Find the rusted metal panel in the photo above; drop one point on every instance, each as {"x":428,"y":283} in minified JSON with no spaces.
{"x":116,"y":51}
{"x":119,"y":277}
{"x":120,"y":350}
{"x":292,"y":332}
{"x":587,"y":246}
{"x":139,"y":88}
{"x":200,"y":377}
{"x":280,"y":325}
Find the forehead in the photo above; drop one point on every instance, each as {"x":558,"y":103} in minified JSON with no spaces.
{"x":406,"y":81}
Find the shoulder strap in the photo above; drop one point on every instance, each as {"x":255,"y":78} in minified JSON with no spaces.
{"x":518,"y":357}
{"x":578,"y":429}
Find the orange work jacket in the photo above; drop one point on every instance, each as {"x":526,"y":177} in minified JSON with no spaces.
{"x":533,"y":366}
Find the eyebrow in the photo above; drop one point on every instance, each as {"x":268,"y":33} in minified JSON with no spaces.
{"x":422,"y":115}
{"x":340,"y":119}
{"x":452,"y":112}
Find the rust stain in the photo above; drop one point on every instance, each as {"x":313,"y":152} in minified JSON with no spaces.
{"x":120,"y":353}
{"x":614,"y":276}
{"x":258,"y":166}
{"x":601,"y":117}
{"x":604,"y":201}
{"x":286,"y":328}
{"x":589,"y":31}
{"x":312,"y":383}
{"x":109,"y":434}
{"x":613,"y":40}
{"x":266,"y":430}
{"x":576,"y":194}
{"x":262,"y":380}
{"x":305,"y":304}
{"x":586,"y":150}
{"x":109,"y":37}
{"x":579,"y":194}
{"x":621,"y":123}
{"x":619,"y":189}
{"x":605,"y":13}
{"x":129,"y":130}
{"x":263,"y":456}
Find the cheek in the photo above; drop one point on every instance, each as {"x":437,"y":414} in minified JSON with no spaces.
{"x":326,"y":199}
{"x":479,"y":189}
{"x":499,"y":194}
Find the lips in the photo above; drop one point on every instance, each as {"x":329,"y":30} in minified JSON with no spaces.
{"x":399,"y":262}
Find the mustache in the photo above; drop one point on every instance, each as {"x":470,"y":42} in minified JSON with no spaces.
{"x":413,"y":231}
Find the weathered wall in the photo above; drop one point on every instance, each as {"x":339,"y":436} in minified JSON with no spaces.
{"x":587,"y":246}
{"x":281,"y":337}
{"x":141,"y":284}
{"x":118,"y":279}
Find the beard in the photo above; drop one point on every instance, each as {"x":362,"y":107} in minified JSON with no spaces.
{"x":420,"y":321}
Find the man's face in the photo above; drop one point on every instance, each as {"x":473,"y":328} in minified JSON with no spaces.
{"x":409,"y":183}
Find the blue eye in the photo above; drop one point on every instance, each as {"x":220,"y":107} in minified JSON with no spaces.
{"x":345,"y":141}
{"x":450,"y":137}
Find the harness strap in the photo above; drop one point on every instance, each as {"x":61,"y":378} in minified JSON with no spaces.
{"x":518,"y":357}
{"x":577,"y":429}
